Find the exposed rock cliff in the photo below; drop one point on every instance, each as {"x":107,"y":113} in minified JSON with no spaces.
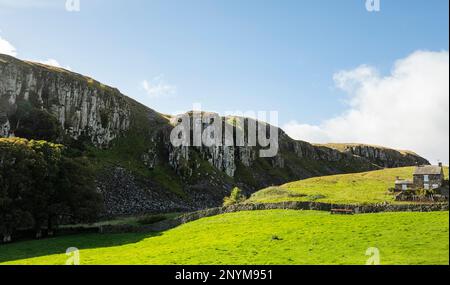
{"x":382,"y":156}
{"x":139,"y":169}
{"x":81,"y":105}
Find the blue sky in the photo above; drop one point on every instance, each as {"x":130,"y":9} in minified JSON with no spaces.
{"x":230,"y":54}
{"x":227,"y":54}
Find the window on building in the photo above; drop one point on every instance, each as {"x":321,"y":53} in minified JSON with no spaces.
{"x":426,"y":186}
{"x":404,"y":187}
{"x":426,"y":178}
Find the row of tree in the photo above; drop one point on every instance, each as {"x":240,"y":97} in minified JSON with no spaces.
{"x":41,"y":186}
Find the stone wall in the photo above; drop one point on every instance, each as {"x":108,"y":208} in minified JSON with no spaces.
{"x":358,"y":209}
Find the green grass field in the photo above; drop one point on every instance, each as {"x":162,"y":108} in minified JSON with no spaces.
{"x":258,"y":237}
{"x":368,"y":187}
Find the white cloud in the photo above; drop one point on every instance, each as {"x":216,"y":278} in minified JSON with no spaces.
{"x":7,"y":48}
{"x":347,"y":80}
{"x":408,"y":109}
{"x":158,"y":87}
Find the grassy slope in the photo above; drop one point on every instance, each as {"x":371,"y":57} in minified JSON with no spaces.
{"x":305,"y":237}
{"x":367,"y":187}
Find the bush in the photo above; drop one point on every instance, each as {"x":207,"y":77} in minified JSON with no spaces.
{"x":151,"y":219}
{"x":34,"y":123}
{"x":425,"y":192}
{"x":236,"y":197}
{"x":39,"y":186}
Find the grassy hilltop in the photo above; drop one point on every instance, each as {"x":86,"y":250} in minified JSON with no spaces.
{"x":366,"y":187}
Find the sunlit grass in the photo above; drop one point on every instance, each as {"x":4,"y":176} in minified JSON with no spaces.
{"x":368,"y":187}
{"x":258,"y":237}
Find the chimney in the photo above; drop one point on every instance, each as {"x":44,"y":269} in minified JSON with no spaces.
{"x":440,"y":164}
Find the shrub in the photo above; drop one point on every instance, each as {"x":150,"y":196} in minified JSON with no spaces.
{"x":425,"y":192}
{"x":33,"y":123}
{"x":39,"y":186}
{"x":235,"y":197}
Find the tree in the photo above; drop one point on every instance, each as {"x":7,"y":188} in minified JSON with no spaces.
{"x":76,"y":189}
{"x":17,"y":162}
{"x":34,"y":123}
{"x":236,"y":197}
{"x":39,"y":186}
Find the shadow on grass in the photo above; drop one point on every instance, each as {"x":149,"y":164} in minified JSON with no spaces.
{"x":59,"y":245}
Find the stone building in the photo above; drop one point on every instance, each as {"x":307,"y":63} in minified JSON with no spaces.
{"x":403,"y":184}
{"x":425,"y":177}
{"x":428,"y":177}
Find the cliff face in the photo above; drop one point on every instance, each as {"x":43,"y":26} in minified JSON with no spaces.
{"x":81,"y":105}
{"x":381,"y":156}
{"x":139,"y":170}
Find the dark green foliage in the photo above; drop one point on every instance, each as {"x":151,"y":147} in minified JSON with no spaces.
{"x":39,"y":186}
{"x":34,"y":123}
{"x":76,"y":184}
{"x":76,"y":147}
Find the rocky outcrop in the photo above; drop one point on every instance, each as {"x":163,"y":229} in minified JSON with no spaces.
{"x":124,"y":194}
{"x":82,"y":106}
{"x":5,"y":126}
{"x":227,"y":158}
{"x":384,"y":157}
{"x":141,"y":170}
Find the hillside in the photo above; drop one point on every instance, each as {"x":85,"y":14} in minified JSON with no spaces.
{"x":138,"y":169}
{"x":380,"y":155}
{"x":259,"y":237}
{"x":366,"y":187}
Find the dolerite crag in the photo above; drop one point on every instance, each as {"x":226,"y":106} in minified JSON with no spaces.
{"x":139,"y":169}
{"x":381,"y":156}
{"x":81,"y":105}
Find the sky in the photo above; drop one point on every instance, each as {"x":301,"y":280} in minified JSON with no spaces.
{"x":335,"y":71}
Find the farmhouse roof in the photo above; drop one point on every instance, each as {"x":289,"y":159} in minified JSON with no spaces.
{"x":400,"y":181}
{"x":428,"y":170}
